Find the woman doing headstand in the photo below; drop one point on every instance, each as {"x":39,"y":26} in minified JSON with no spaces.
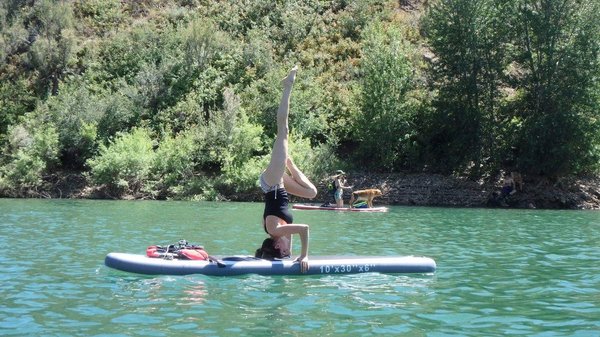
{"x":276,"y":183}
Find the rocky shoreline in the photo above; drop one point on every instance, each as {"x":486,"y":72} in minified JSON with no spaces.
{"x":450,"y":191}
{"x":414,"y":189}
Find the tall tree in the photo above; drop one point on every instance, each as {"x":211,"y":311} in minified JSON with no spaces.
{"x":558,"y":44}
{"x":385,"y":125}
{"x":467,"y":37}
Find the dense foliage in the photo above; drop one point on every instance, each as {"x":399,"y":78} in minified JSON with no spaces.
{"x":177,"y":98}
{"x":517,"y":85}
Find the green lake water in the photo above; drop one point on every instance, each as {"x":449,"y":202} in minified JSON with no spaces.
{"x":500,"y":272}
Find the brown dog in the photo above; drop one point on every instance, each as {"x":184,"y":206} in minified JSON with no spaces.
{"x":367,"y":195}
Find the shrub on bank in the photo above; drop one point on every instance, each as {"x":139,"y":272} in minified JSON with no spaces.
{"x":32,"y":149}
{"x":124,"y":165}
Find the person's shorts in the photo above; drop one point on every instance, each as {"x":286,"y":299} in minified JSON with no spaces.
{"x":338,"y":195}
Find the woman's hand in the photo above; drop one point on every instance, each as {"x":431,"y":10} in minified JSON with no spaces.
{"x":303,"y":263}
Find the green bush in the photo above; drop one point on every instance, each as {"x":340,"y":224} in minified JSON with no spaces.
{"x":99,"y":16}
{"x":257,"y":55}
{"x":119,"y":113}
{"x":313,"y":161}
{"x":202,"y":42}
{"x":230,"y":143}
{"x":31,"y":150}
{"x":125,"y":164}
{"x":16,"y":99}
{"x":242,"y":141}
{"x":123,"y":55}
{"x":76,"y":113}
{"x":174,"y":163}
{"x":13,"y":34}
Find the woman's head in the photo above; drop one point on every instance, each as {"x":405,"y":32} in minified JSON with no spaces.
{"x":274,"y":248}
{"x":282,"y":244}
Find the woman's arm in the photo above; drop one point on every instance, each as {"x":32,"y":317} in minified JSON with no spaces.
{"x":278,"y":230}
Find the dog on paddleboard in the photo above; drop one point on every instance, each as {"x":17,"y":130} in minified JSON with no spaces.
{"x":365,"y":195}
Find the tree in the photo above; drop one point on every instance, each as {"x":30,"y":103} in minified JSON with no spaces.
{"x":469,"y":40}
{"x":385,"y":124}
{"x":53,"y":47}
{"x":558,"y":48}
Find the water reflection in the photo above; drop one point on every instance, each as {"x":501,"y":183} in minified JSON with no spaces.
{"x":196,"y":292}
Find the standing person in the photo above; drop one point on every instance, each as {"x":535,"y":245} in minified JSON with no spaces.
{"x":335,"y":189}
{"x":508,"y":186}
{"x":339,"y":181}
{"x":276,"y":183}
{"x":508,"y":189}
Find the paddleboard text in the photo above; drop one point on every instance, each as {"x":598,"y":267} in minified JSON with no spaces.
{"x":346,"y":268}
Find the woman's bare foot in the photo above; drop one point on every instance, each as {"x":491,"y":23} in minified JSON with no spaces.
{"x":288,"y":81}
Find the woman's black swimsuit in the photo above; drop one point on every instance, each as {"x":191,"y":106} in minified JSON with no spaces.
{"x":276,"y":203}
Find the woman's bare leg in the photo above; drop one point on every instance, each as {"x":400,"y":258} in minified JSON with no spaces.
{"x":298,"y":184}
{"x":273,"y":175}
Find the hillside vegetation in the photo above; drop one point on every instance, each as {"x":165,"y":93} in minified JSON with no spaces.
{"x":177,"y":98}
